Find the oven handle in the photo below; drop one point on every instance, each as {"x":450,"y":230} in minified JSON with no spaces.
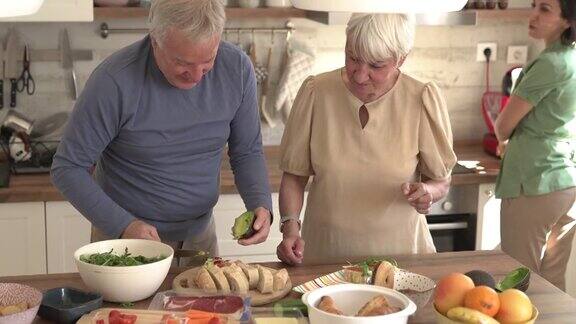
{"x":448,"y":226}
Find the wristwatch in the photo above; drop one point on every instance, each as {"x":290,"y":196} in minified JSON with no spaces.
{"x":284,"y":219}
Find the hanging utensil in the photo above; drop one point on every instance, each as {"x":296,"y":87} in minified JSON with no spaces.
{"x":68,"y":62}
{"x":26,"y":81}
{"x":265,"y":84}
{"x":11,"y":66}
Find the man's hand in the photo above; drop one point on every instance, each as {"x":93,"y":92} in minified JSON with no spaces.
{"x":261,"y":227}
{"x":418,"y":196}
{"x":291,"y":249}
{"x":140,"y":230}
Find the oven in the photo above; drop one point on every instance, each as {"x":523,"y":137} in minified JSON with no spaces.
{"x":452,"y":220}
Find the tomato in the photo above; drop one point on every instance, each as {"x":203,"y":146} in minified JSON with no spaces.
{"x":115,"y":317}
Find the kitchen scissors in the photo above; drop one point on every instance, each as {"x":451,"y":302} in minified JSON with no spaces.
{"x":26,"y":81}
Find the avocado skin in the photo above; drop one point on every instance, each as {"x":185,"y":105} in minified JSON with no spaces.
{"x":481,"y":278}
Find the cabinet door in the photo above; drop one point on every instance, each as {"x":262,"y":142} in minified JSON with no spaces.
{"x":66,"y":231}
{"x":226,"y":210}
{"x":60,"y":10}
{"x":488,"y":223}
{"x":22,"y":239}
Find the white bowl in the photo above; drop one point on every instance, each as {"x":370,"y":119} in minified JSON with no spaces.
{"x":350,"y":298}
{"x":125,"y":284}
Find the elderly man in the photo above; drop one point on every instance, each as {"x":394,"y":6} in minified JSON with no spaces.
{"x":155,"y":118}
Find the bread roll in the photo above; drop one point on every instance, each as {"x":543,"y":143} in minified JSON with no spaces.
{"x":377,"y":306}
{"x":280,"y":279}
{"x":251,"y":272}
{"x":327,"y":304}
{"x":265,"y":280}
{"x":236,"y":279}
{"x":219,"y":278}
{"x":384,"y":275}
{"x":204,"y":281}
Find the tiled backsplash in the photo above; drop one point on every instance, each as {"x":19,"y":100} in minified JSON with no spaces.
{"x":444,"y":54}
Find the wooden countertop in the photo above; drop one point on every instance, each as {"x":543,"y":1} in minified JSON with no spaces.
{"x":38,"y":187}
{"x":554,"y":305}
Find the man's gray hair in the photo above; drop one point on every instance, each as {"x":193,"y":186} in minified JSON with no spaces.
{"x":198,"y":19}
{"x":376,"y":37}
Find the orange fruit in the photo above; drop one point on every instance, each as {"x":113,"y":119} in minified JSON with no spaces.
{"x":515,"y":307}
{"x":450,"y":291}
{"x":483,"y":299}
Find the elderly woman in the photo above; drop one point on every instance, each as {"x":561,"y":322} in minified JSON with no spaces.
{"x":378,"y":145}
{"x":537,"y":183}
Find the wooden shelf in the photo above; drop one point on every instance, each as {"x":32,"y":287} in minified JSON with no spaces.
{"x":231,"y":13}
{"x":505,"y":14}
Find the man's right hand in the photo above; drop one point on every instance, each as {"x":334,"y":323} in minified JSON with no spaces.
{"x":291,"y":249}
{"x":140,"y":230}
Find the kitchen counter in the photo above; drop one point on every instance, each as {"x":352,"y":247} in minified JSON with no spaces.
{"x":37,"y":187}
{"x":554,"y":305}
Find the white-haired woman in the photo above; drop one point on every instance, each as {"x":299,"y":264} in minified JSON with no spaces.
{"x":378,"y":145}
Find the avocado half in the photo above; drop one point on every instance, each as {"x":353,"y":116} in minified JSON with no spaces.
{"x":244,"y":225}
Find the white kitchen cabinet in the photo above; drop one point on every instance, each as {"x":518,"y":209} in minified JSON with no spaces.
{"x":59,"y":11}
{"x":22,"y":239}
{"x":226,"y":210}
{"x":488,"y":218}
{"x":66,"y":231}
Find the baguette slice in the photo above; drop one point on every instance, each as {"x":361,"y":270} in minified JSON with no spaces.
{"x":384,"y":276}
{"x":236,"y":279}
{"x":219,"y":278}
{"x":251,"y":273}
{"x":280,"y":279}
{"x":204,"y":281}
{"x":377,"y":306}
{"x":266,"y":280}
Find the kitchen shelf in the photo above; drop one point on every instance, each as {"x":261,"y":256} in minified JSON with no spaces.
{"x":506,"y":14}
{"x":231,"y":13}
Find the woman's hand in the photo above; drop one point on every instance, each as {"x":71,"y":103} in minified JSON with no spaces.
{"x":291,"y":249}
{"x":419,"y":196}
{"x":501,"y":150}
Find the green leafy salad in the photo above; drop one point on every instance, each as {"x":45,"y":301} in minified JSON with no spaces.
{"x":114,"y":260}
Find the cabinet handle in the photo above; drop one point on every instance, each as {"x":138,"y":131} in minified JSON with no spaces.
{"x":489,"y":192}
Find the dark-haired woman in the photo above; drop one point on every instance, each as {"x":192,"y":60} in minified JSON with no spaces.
{"x":537,"y":135}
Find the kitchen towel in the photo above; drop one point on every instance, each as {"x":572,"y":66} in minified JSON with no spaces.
{"x":299,"y":63}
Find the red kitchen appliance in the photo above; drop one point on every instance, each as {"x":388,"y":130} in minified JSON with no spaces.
{"x":493,"y":103}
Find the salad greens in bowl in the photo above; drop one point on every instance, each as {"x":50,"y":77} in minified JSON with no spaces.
{"x":124,"y":270}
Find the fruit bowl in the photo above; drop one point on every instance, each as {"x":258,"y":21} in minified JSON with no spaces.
{"x":441,"y":319}
{"x":125,"y":283}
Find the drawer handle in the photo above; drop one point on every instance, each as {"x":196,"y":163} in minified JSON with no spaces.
{"x":448,"y":226}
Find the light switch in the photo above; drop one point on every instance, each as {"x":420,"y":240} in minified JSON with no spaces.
{"x":517,"y":54}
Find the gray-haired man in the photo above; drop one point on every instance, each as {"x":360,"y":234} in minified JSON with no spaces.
{"x":155,"y":118}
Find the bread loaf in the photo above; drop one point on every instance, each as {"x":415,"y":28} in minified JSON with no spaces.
{"x":265,"y":280}
{"x":251,"y":272}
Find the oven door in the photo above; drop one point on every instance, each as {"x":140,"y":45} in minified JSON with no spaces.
{"x":453,"y":232}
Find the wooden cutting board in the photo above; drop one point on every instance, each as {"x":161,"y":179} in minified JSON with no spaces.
{"x":257,"y":298}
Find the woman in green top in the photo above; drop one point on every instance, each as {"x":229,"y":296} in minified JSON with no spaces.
{"x":537,"y":132}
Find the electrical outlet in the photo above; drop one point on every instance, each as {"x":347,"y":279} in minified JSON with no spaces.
{"x":517,"y":54}
{"x":480,"y":51}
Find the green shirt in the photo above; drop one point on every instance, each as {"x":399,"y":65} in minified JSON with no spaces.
{"x":540,"y":156}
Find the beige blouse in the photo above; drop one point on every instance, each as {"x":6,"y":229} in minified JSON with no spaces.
{"x":355,"y":206}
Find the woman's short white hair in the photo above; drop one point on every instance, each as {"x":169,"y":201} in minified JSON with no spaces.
{"x":376,"y":37}
{"x":198,"y":19}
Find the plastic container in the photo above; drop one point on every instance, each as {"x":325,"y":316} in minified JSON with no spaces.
{"x":67,"y":305}
{"x":269,"y":315}
{"x":130,"y":283}
{"x":234,"y":306}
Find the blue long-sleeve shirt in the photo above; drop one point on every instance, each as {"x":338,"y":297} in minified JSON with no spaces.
{"x":157,"y":148}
